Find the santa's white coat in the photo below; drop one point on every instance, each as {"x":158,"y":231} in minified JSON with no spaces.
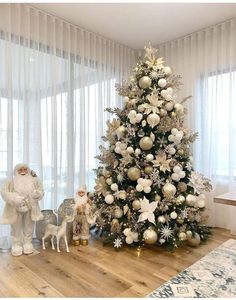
{"x":10,"y":213}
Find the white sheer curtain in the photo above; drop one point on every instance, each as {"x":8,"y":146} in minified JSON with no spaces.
{"x":55,"y":82}
{"x":207,"y":62}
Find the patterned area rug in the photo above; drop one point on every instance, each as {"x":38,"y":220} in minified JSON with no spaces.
{"x":213,"y":276}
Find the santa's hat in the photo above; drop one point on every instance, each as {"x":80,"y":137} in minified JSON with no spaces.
{"x":83,"y":188}
{"x":22,"y":165}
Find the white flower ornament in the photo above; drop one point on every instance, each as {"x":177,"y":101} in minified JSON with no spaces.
{"x":147,"y":210}
{"x":134,"y":117}
{"x":176,"y":136}
{"x":178,"y":173}
{"x":131,"y":236}
{"x":144,"y":185}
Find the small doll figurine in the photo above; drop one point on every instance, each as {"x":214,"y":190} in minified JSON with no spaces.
{"x":83,"y":217}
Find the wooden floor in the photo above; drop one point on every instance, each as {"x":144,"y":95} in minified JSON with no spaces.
{"x":97,"y":270}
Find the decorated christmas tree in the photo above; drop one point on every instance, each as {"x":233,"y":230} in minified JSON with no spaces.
{"x":146,"y":189}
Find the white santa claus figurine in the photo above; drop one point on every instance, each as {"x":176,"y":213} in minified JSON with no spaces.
{"x":21,"y":210}
{"x":83,"y":217}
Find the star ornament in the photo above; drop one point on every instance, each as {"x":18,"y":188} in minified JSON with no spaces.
{"x":147,"y":210}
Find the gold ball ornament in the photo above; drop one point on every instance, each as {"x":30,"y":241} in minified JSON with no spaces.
{"x":173,"y":114}
{"x":182,"y":186}
{"x":180,"y":200}
{"x":146,"y":143}
{"x":134,"y":173}
{"x":148,"y":170}
{"x":163,"y":112}
{"x":136,"y":204}
{"x":180,"y":220}
{"x":145,"y":82}
{"x":194,"y":241}
{"x":182,"y":236}
{"x":189,"y":234}
{"x":150,"y":236}
{"x":180,"y":152}
{"x":169,"y":190}
{"x":106,"y":173}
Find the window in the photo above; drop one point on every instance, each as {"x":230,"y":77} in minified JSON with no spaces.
{"x":219,"y":123}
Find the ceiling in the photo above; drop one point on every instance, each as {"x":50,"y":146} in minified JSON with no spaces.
{"x":134,"y":24}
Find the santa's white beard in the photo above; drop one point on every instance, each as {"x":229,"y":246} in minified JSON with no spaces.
{"x":23,"y":184}
{"x":80,"y":200}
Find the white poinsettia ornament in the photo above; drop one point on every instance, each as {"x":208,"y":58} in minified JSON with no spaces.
{"x":199,"y":182}
{"x":162,"y":162}
{"x":147,"y":210}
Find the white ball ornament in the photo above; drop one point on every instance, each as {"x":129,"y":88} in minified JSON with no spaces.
{"x":180,"y":199}
{"x":164,"y":93}
{"x":201,"y":203}
{"x":137,"y":152}
{"x":145,"y":82}
{"x":161,"y":219}
{"x":109,"y":199}
{"x":147,"y":189}
{"x":173,"y":215}
{"x":150,"y":236}
{"x":130,"y":150}
{"x":169,"y":90}
{"x":190,"y":200}
{"x":171,"y":151}
{"x":149,"y":157}
{"x":169,"y":106}
{"x":114,"y":187}
{"x":162,"y":82}
{"x":129,"y":240}
{"x":167,"y":70}
{"x":175,"y":177}
{"x":109,"y":181}
{"x":139,"y":187}
{"x":169,"y":97}
{"x":141,"y":108}
{"x":153,"y":120}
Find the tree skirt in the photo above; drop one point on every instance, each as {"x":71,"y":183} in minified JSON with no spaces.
{"x":213,"y":276}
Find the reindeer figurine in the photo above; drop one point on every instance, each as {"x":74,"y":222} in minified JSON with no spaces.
{"x":58,"y":232}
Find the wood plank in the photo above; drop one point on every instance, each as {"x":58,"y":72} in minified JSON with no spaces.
{"x":97,"y":270}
